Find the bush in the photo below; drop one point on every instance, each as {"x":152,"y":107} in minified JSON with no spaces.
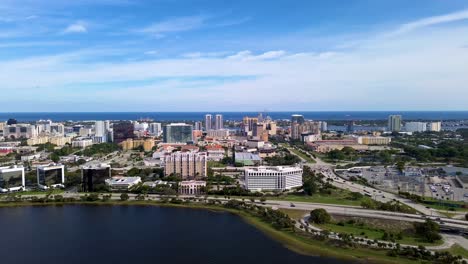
{"x":319,"y":216}
{"x":124,"y":197}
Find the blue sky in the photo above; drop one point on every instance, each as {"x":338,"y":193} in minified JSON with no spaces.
{"x":200,"y":55}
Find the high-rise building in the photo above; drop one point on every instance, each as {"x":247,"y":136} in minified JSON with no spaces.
{"x":297,"y":119}
{"x":177,"y":133}
{"x":415,"y":126}
{"x":51,"y":176}
{"x":309,"y":127}
{"x":155,"y":129}
{"x":258,"y":130}
{"x":219,"y":122}
{"x":323,"y":126}
{"x":93,"y":177}
{"x":99,"y":129}
{"x":394,"y":123}
{"x":434,"y":126}
{"x":273,"y":178}
{"x":12,"y":178}
{"x":187,"y":165}
{"x":198,"y":125}
{"x":122,"y":131}
{"x":248,"y":124}
{"x":208,"y":122}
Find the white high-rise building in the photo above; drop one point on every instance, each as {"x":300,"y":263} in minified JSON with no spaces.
{"x":434,"y":126}
{"x":208,"y":122}
{"x":99,"y":129}
{"x":394,"y":123}
{"x":198,"y":125}
{"x":415,"y":126}
{"x":155,"y":129}
{"x":273,"y":178}
{"x":219,"y":122}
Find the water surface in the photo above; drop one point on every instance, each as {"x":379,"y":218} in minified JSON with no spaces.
{"x":135,"y":234}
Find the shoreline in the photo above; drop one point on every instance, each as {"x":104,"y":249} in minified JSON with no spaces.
{"x":292,"y":241}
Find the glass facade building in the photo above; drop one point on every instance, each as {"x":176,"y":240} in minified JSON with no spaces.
{"x":177,"y":133}
{"x":94,"y":177}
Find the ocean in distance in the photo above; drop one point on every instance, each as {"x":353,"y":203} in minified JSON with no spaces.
{"x":198,"y":116}
{"x":77,"y":234}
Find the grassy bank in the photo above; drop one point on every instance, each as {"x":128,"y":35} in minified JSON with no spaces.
{"x":338,"y":196}
{"x":302,"y":155}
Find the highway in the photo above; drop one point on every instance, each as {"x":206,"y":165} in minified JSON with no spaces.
{"x":381,"y":196}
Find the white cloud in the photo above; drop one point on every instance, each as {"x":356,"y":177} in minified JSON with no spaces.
{"x":248,"y":55}
{"x":152,"y":52}
{"x":174,"y":25}
{"x":77,"y":27}
{"x":431,"y":21}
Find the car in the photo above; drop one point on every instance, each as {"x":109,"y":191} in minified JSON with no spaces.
{"x":292,"y":205}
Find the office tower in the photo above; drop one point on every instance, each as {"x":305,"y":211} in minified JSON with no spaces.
{"x":219,"y":122}
{"x":155,"y":129}
{"x":122,"y":131}
{"x":198,"y":125}
{"x":272,"y":178}
{"x":415,"y":126}
{"x":107,"y":125}
{"x":297,"y":119}
{"x":51,"y":176}
{"x":57,"y":129}
{"x":434,"y":126}
{"x":350,"y":127}
{"x":208,"y":122}
{"x":394,"y":123}
{"x":177,"y":133}
{"x":187,"y":165}
{"x":248,"y":124}
{"x":93,"y":177}
{"x":99,"y":129}
{"x":309,"y":127}
{"x":258,"y":130}
{"x":12,"y":178}
{"x":323,"y":126}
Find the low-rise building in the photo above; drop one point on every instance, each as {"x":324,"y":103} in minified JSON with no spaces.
{"x":192,"y":187}
{"x":131,"y":143}
{"x":122,"y":183}
{"x":273,"y":178}
{"x":247,"y":158}
{"x":51,"y":176}
{"x":12,"y":178}
{"x":374,"y":140}
{"x":215,"y":152}
{"x":324,"y":146}
{"x":82,"y":142}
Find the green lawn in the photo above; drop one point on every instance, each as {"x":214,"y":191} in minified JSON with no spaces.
{"x":373,"y":233}
{"x":294,"y":214}
{"x":54,"y":191}
{"x":338,"y":196}
{"x":458,"y":250}
{"x":302,"y":155}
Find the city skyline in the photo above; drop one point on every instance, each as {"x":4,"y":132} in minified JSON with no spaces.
{"x":203,"y":56}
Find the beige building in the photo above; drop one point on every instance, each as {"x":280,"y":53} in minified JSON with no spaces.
{"x":192,"y":187}
{"x":307,"y":127}
{"x":130,"y":144}
{"x":374,"y":140}
{"x":59,"y":141}
{"x":188,"y":165}
{"x":324,"y":146}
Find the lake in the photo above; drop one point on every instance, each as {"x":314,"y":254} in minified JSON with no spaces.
{"x":135,"y":234}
